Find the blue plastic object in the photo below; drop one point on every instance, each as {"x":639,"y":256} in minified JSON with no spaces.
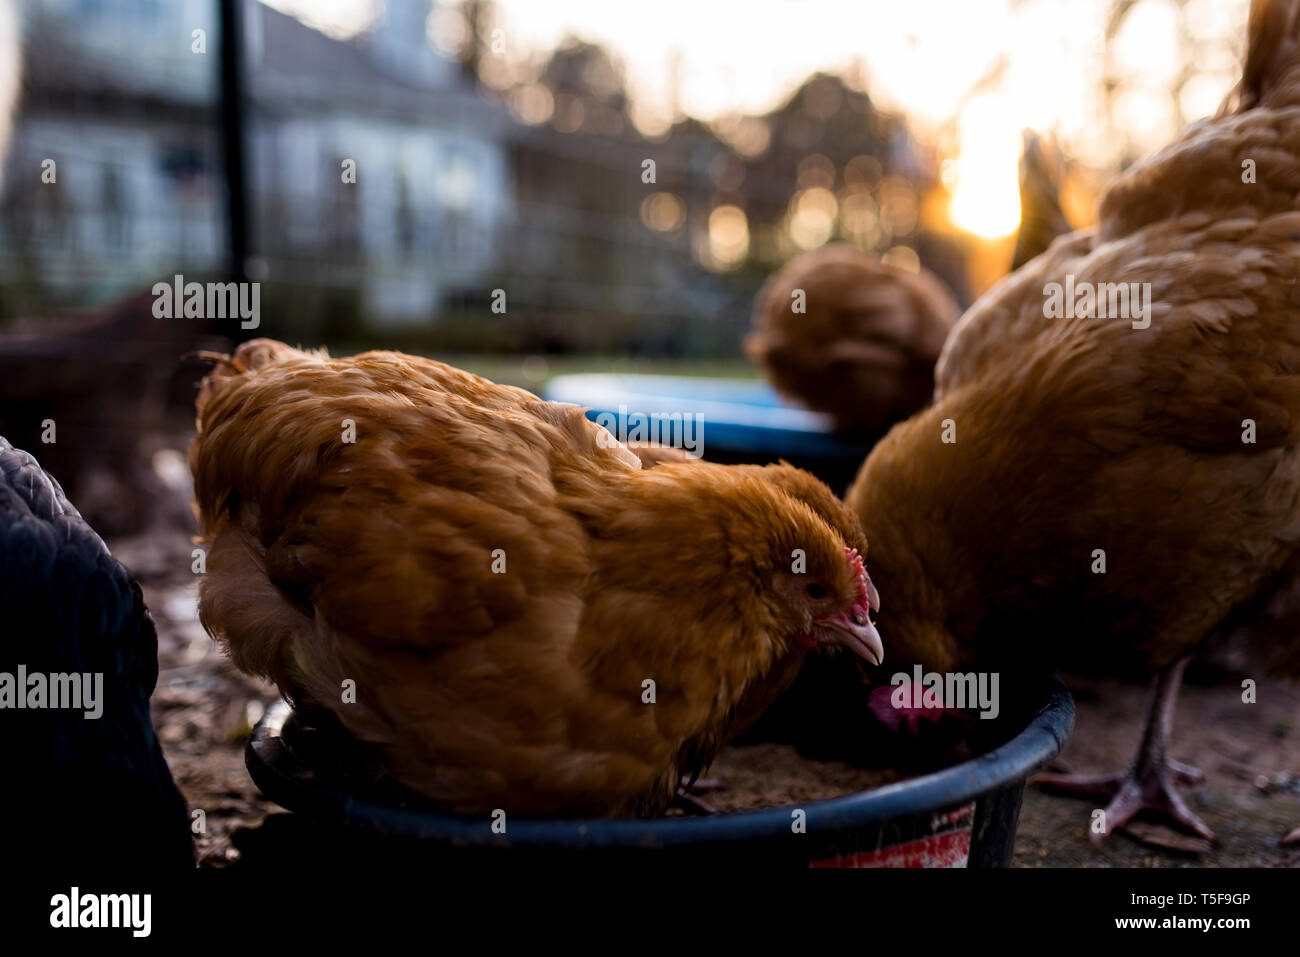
{"x":738,"y":416}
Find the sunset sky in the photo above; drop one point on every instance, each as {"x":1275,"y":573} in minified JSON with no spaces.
{"x":970,"y":74}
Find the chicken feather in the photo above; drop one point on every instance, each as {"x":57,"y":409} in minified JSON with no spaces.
{"x":1102,"y":492}
{"x":1085,"y":433}
{"x":861,"y":343}
{"x":373,"y":560}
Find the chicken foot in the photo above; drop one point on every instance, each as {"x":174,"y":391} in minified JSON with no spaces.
{"x":1148,"y":783}
{"x":693,"y":806}
{"x":688,"y":798}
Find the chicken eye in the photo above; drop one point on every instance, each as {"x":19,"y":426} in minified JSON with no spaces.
{"x":816,"y":591}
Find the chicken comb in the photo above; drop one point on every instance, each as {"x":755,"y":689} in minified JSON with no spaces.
{"x":861,"y":606}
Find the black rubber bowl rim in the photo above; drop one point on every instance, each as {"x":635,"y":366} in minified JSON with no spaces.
{"x":284,"y":779}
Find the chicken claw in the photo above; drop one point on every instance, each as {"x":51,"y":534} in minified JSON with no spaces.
{"x":1148,"y":783}
{"x":1132,"y":791}
{"x":692,"y":805}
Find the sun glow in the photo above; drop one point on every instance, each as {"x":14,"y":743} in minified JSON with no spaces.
{"x":986,"y":197}
{"x":968,"y":78}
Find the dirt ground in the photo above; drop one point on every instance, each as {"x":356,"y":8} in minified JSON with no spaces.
{"x":1249,"y":754}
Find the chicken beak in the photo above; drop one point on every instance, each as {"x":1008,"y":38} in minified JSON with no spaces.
{"x":873,"y":597}
{"x":859,"y":637}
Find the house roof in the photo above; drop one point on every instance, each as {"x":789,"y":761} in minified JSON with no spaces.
{"x":299,"y":65}
{"x":289,"y":68}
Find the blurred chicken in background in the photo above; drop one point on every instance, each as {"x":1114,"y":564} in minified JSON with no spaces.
{"x":86,"y":390}
{"x":845,"y":333}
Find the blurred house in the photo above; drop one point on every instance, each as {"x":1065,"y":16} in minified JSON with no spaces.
{"x":115,"y":181}
{"x":390,"y":192}
{"x":111,"y":180}
{"x":123,"y":96}
{"x":431,"y":197}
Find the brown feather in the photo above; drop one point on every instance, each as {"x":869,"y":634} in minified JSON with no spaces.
{"x":1084,"y":434}
{"x":864,"y":348}
{"x":373,"y":561}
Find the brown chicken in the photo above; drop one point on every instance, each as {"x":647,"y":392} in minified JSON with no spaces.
{"x":861,"y":342}
{"x":1088,"y":488}
{"x":532,"y":621}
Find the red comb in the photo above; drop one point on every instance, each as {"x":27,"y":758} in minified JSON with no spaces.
{"x":855,"y":563}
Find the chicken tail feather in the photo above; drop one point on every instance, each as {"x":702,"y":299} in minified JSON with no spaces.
{"x":1272,"y":51}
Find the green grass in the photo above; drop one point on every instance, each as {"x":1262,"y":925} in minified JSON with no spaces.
{"x":529,"y":373}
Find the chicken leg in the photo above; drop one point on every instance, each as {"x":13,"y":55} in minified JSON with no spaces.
{"x":1148,"y":783}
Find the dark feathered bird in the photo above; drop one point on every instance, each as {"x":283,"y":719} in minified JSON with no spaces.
{"x":77,"y":788}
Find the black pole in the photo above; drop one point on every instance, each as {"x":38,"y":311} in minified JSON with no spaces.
{"x":233,"y":134}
